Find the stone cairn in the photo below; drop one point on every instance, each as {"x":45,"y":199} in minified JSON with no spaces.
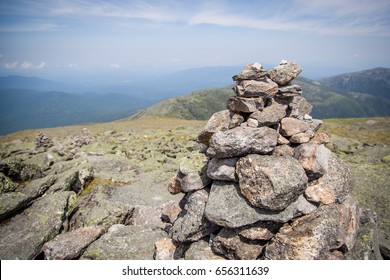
{"x":264,"y":185}
{"x":43,"y":142}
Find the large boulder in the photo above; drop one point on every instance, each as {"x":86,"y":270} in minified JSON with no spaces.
{"x":227,"y":207}
{"x":241,"y":141}
{"x":191,"y":225}
{"x":271,"y":182}
{"x":24,"y":235}
{"x":124,"y":243}
{"x":6,"y":184}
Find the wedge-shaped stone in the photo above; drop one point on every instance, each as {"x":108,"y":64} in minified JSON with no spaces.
{"x":263,"y":87}
{"x":269,"y":115}
{"x":271,"y":182}
{"x":241,"y":141}
{"x":290,"y":126}
{"x":245,"y":105}
{"x":218,"y":121}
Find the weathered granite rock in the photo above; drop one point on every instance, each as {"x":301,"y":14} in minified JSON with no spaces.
{"x":290,"y":126}
{"x":304,"y":207}
{"x":338,"y":178}
{"x":270,"y":115}
{"x":320,"y":138}
{"x":147,"y":216}
{"x":289,"y":91}
{"x":313,"y":158}
{"x":298,"y":107}
{"x":201,"y":250}
{"x":174,"y":186}
{"x":67,"y":181}
{"x":124,"y":243}
{"x":245,"y":105}
{"x":12,"y":202}
{"x":227,"y":207}
{"x":259,"y":231}
{"x":20,"y":171}
{"x":218,"y":121}
{"x":302,"y":137}
{"x":241,"y":141}
{"x":263,"y":87}
{"x":70,"y":245}
{"x":284,"y":73}
{"x":271,"y":182}
{"x":193,"y":172}
{"x":349,"y":223}
{"x":251,"y":72}
{"x":320,"y":194}
{"x":166,"y":249}
{"x":222,"y":169}
{"x":282,"y":140}
{"x":170,"y":211}
{"x":283,"y":150}
{"x":24,"y":235}
{"x":229,"y":244}
{"x":307,"y":238}
{"x":98,"y":208}
{"x":6,"y":184}
{"x":236,"y":120}
{"x":191,"y":225}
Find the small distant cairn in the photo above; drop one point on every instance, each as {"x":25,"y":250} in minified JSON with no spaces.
{"x":265,"y":186}
{"x":42,"y":142}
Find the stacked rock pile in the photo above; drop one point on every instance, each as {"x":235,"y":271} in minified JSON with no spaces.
{"x":265,"y":186}
{"x":43,"y":142}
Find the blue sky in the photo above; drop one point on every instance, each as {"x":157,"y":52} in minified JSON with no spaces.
{"x":85,"y":37}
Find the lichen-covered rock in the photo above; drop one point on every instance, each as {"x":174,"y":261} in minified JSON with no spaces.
{"x":24,"y":234}
{"x":6,"y":184}
{"x":20,"y":171}
{"x":124,"y":243}
{"x":201,"y":250}
{"x":270,"y":115}
{"x":271,"y":182}
{"x":67,"y":181}
{"x":241,"y":141}
{"x":147,"y":216}
{"x":284,"y":73}
{"x":289,"y":91}
{"x":263,"y":87}
{"x":229,"y":244}
{"x":222,"y":169}
{"x":193,"y":172}
{"x":227,"y":207}
{"x":349,"y":223}
{"x":70,"y":245}
{"x":192,"y":225}
{"x":313,"y":158}
{"x":218,"y":121}
{"x":245,"y":105}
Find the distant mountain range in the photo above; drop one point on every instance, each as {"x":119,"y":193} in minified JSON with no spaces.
{"x":30,"y":102}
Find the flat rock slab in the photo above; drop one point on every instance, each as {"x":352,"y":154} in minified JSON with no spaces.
{"x":70,"y":245}
{"x":227,"y":207}
{"x":271,"y":182}
{"x":23,"y":236}
{"x":241,"y":141}
{"x":263,"y":87}
{"x":124,"y":243}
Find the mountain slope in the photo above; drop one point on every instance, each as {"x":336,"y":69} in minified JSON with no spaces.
{"x":372,"y":81}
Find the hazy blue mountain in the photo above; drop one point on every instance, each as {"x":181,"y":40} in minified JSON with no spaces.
{"x":372,"y":81}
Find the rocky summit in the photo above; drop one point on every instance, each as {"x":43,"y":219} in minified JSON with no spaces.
{"x":274,"y":190}
{"x":257,"y":182}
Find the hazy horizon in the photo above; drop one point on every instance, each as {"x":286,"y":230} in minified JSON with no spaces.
{"x":74,"y":40}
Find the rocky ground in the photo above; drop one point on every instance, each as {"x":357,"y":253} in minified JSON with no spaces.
{"x":105,"y":185}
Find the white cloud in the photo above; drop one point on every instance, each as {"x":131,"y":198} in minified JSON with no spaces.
{"x":41,"y":65}
{"x":26,"y":65}
{"x":115,"y":65}
{"x":11,"y":65}
{"x":29,"y":27}
{"x":73,"y":65}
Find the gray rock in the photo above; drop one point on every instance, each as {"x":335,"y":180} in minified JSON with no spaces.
{"x":70,"y":245}
{"x":283,"y":150}
{"x":124,"y":243}
{"x":222,"y":169}
{"x":23,"y":236}
{"x":12,"y":202}
{"x":289,"y":91}
{"x":227,"y":207}
{"x":290,"y":126}
{"x":6,"y":184}
{"x":251,"y":72}
{"x":191,"y":225}
{"x":147,"y":216}
{"x":20,"y":171}
{"x":218,"y":121}
{"x":313,"y":158}
{"x":67,"y":181}
{"x":229,"y":244}
{"x":384,"y":248}
{"x":193,"y":172}
{"x":100,"y":208}
{"x":304,"y":207}
{"x":284,"y":73}
{"x":299,"y":107}
{"x":307,"y":238}
{"x":245,"y":105}
{"x":236,"y":120}
{"x":201,"y":250}
{"x":270,"y":115}
{"x":241,"y":141}
{"x":349,"y":223}
{"x":271,"y":182}
{"x":263,"y":87}
{"x":338,"y":178}
{"x":303,"y":137}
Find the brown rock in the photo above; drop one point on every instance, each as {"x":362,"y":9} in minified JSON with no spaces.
{"x":313,"y":158}
{"x":259,"y":231}
{"x":236,"y":120}
{"x":218,"y":121}
{"x":229,"y":244}
{"x":302,"y":137}
{"x":245,"y":105}
{"x":166,"y":249}
{"x":284,"y":73}
{"x":320,"y":194}
{"x":270,"y":115}
{"x":320,"y":138}
{"x":170,"y":211}
{"x":349,"y":223}
{"x":282,"y":140}
{"x":290,"y":126}
{"x":263,"y":87}
{"x":271,"y":182}
{"x":70,"y":245}
{"x":174,"y":186}
{"x":283,"y":150}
